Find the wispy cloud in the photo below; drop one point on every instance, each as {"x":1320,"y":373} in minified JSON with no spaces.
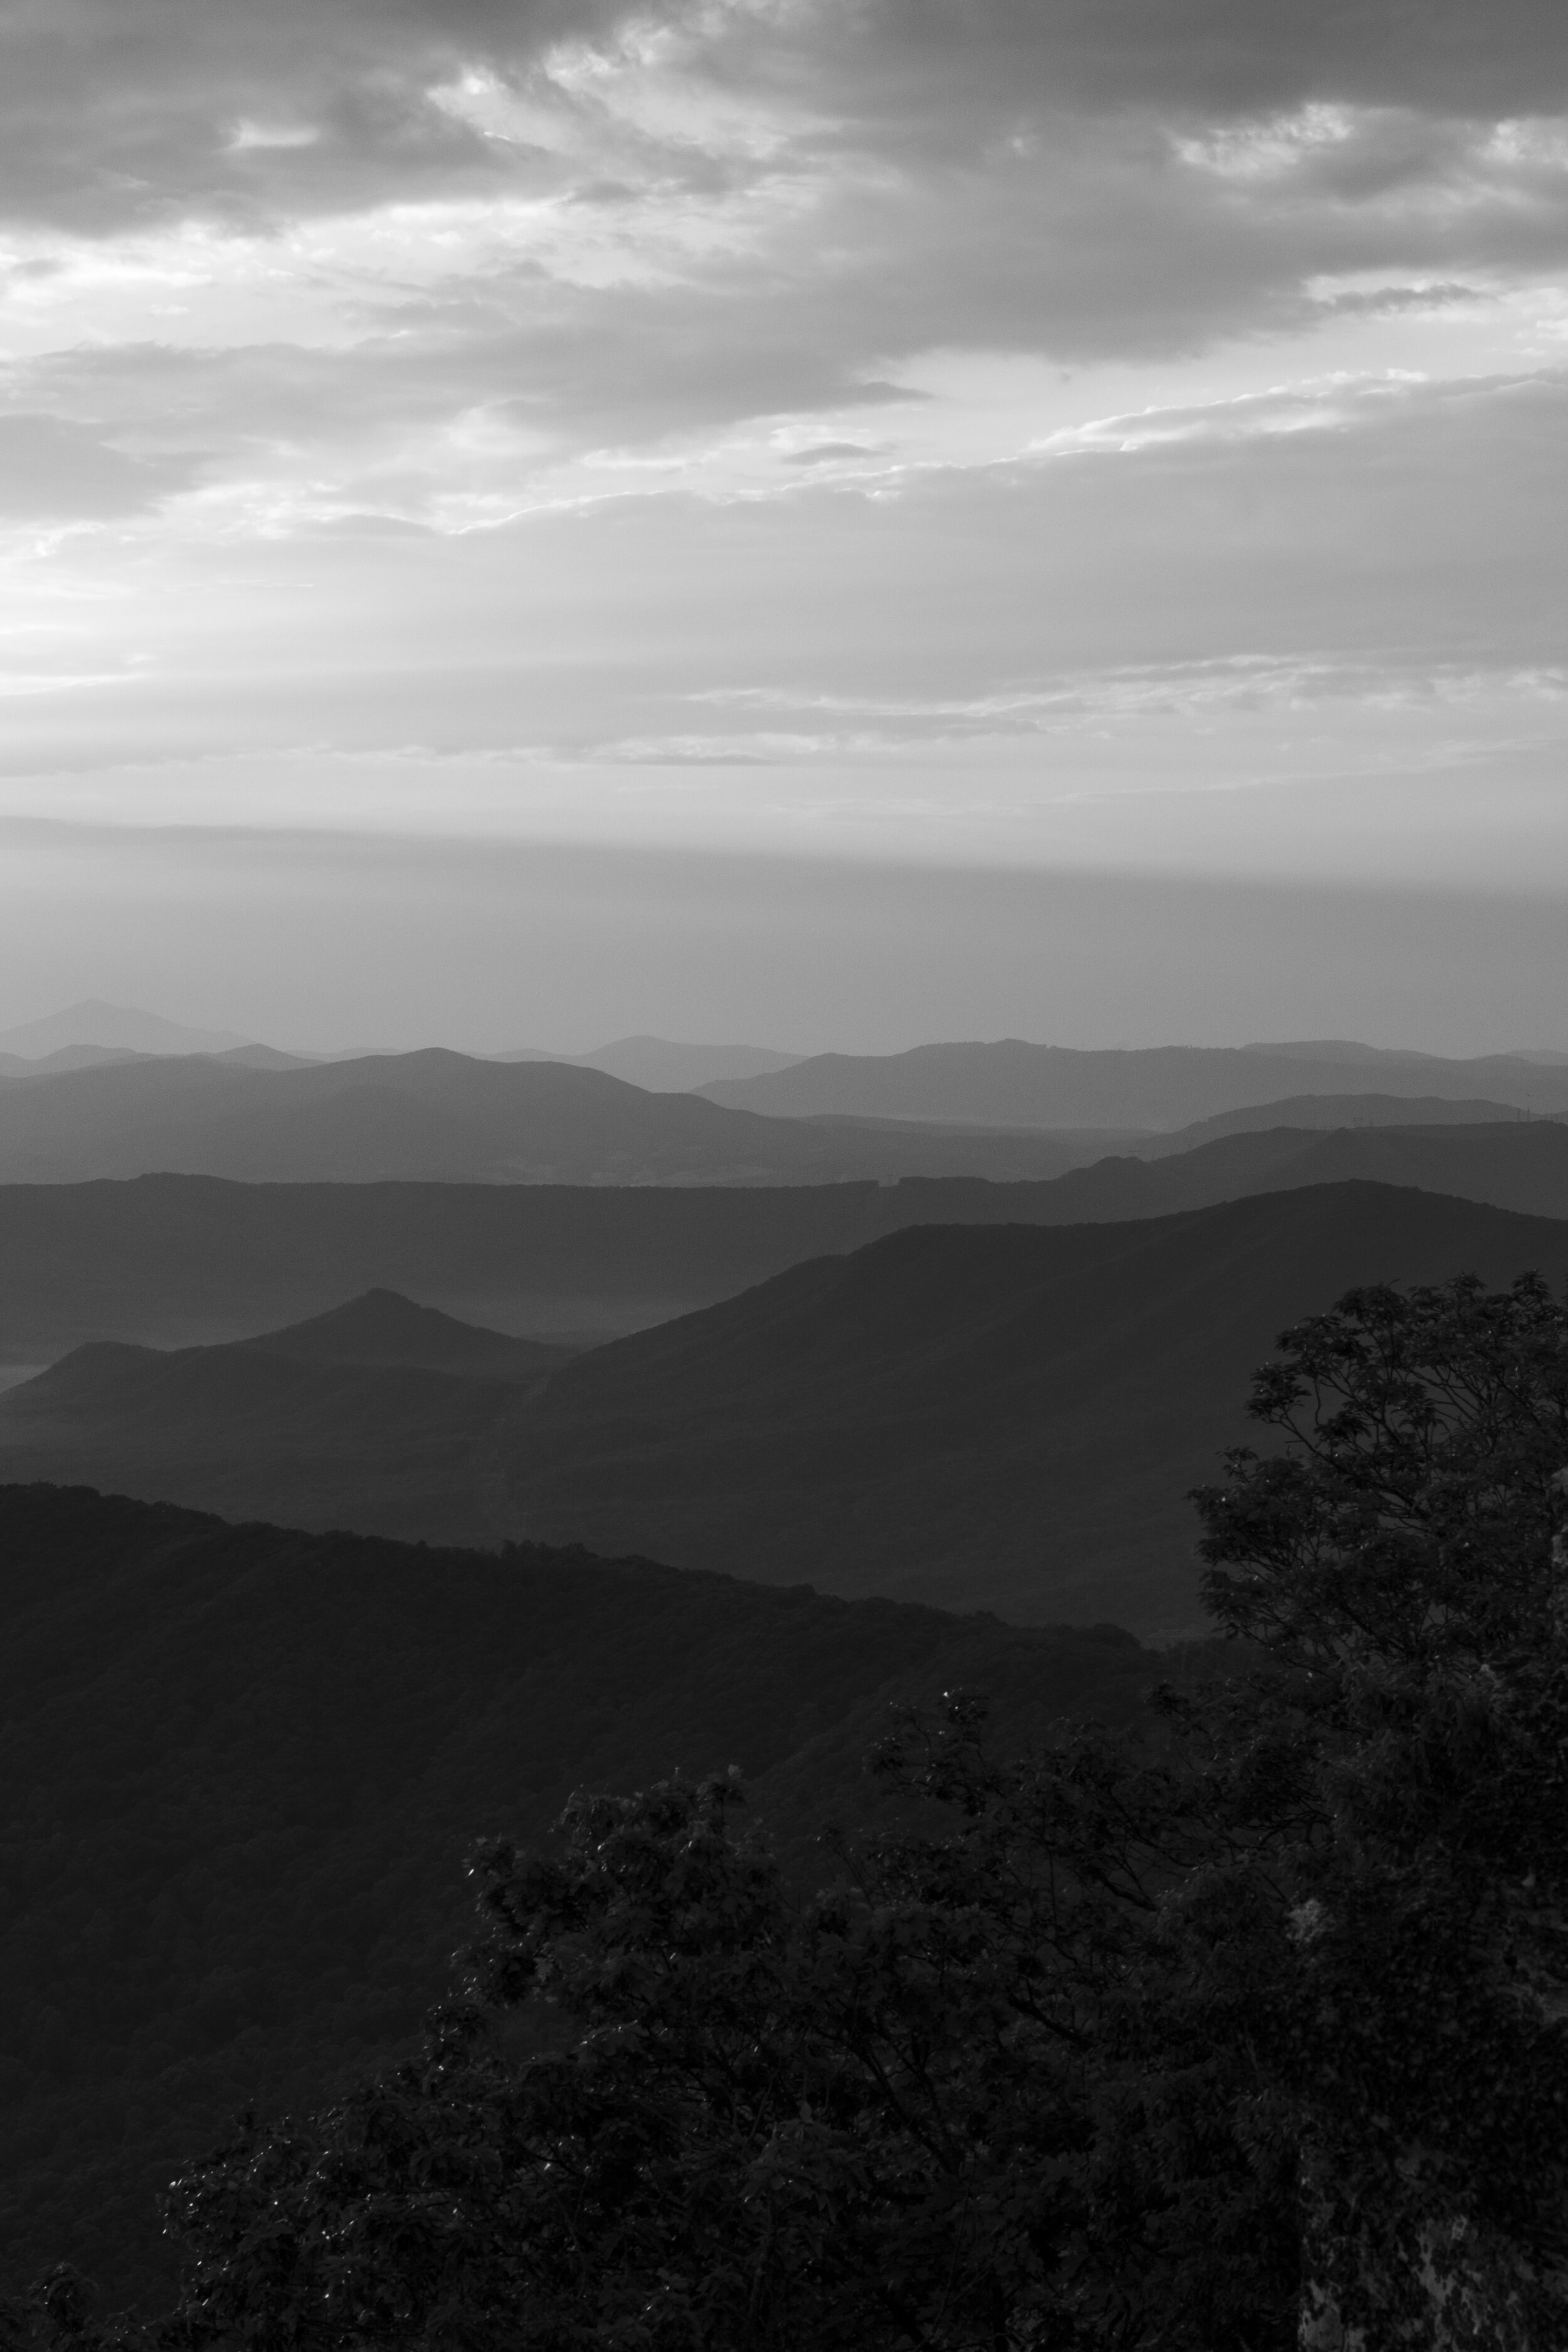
{"x":756,"y":413}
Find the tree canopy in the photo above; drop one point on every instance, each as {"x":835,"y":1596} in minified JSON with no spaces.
{"x":1241,"y":2030}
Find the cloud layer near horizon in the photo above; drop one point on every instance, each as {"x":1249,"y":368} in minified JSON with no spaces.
{"x":1100,"y":432}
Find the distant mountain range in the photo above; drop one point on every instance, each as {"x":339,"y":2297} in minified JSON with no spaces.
{"x":1004,"y":1084}
{"x":171,"y":1260}
{"x":1335,"y":1110}
{"x":259,"y":1116}
{"x":662,"y":1065}
{"x":1512,"y":1165}
{"x":92,"y":1032}
{"x":1006,"y":1417}
{"x":94,"y":1023}
{"x":1012,"y":1082}
{"x":451,"y":1117}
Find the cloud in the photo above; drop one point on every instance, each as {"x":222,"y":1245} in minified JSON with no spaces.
{"x":997,"y":400}
{"x":113,"y":112}
{"x":827,"y":453}
{"x":118,"y":112}
{"x":54,"y":471}
{"x":449,"y":401}
{"x":957,"y":68}
{"x":456,"y":244}
{"x":1207,"y":584}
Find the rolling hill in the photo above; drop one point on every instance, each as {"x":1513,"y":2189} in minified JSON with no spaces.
{"x":1003,"y":1418}
{"x":1515,"y":1165}
{"x":92,"y":1023}
{"x":665,"y":1065}
{"x":1012,"y":1082}
{"x":259,"y":1116}
{"x":1336,"y":1110}
{"x":173,"y":1261}
{"x":384,"y":1329}
{"x":381,"y":1415}
{"x":244,"y":1769}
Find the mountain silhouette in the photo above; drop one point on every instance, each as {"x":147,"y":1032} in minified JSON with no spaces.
{"x":66,"y":1057}
{"x":93,"y":1023}
{"x":664,"y":1064}
{"x":381,"y":1326}
{"x":1004,"y":1417}
{"x":1010,"y":1082}
{"x":259,"y":1116}
{"x":173,"y":1260}
{"x":1514,"y":1165}
{"x":379,"y":1415}
{"x":1336,"y":1110}
{"x":1007,"y":1418}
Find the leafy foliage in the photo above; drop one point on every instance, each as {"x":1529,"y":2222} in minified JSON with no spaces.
{"x":903,"y":2113}
{"x":243,"y":1767}
{"x":1399,"y":1567}
{"x":1244,"y":2029}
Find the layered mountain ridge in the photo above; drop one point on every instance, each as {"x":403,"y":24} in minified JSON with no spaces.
{"x":999,"y":1416}
{"x":445,"y":1117}
{"x":1162,"y":1086}
{"x":175,"y":1261}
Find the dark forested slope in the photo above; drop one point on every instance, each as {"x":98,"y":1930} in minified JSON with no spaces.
{"x":243,"y":1768}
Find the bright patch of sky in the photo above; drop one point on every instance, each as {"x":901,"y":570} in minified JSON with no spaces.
{"x":1085,"y":437}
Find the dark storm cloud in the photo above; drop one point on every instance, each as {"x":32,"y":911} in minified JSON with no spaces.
{"x":114,"y":111}
{"x":1210,"y":58}
{"x":118,"y":111}
{"x":1131,"y":179}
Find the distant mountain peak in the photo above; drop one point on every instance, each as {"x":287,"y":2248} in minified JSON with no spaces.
{"x":1340,"y":1049}
{"x":93,"y":1023}
{"x":386,"y":1328}
{"x":667,"y":1064}
{"x":377,"y":1313}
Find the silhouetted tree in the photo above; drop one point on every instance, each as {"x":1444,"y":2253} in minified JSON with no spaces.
{"x":1401,"y":1762}
{"x":1245,"y":2030}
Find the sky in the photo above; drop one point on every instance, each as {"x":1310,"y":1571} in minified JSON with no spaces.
{"x":840,"y":522}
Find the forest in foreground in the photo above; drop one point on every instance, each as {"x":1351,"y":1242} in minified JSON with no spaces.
{"x":1230,"y":2019}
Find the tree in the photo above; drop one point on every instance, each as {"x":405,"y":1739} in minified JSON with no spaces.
{"x":1249,"y":2029}
{"x":765,"y":2127}
{"x":963,"y":2099}
{"x":1401,"y":1565}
